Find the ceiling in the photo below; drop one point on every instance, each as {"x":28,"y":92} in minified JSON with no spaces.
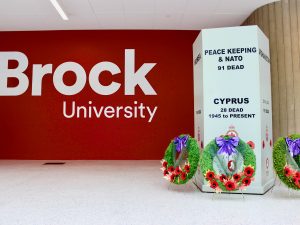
{"x":125,"y":14}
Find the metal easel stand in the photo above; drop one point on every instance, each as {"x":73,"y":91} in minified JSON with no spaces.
{"x":275,"y":180}
{"x":195,"y":182}
{"x":291,"y":192}
{"x":169,"y":186}
{"x":172,"y":186}
{"x":215,"y":194}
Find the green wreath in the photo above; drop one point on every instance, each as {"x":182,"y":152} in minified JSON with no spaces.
{"x":181,"y":159}
{"x":286,"y":160}
{"x":228,"y":163}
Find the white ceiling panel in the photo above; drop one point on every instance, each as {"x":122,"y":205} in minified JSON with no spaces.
{"x":170,"y":20}
{"x":26,"y":7}
{"x":140,"y":20}
{"x":77,"y":7}
{"x":29,"y":22}
{"x":111,"y":20}
{"x":224,"y":19}
{"x":125,"y":14}
{"x":230,"y":6}
{"x":196,"y":21}
{"x":109,"y":6}
{"x":139,"y":6}
{"x":199,"y":6}
{"x":170,"y":6}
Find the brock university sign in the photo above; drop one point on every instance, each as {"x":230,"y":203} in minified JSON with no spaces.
{"x":132,"y":78}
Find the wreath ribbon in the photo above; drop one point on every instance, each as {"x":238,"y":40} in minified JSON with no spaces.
{"x":293,"y":146}
{"x":180,"y":142}
{"x":227,"y":146}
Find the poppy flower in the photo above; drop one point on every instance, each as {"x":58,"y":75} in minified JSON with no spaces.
{"x":230,"y":185}
{"x":172,"y":177}
{"x":187,"y":168}
{"x":251,"y":144}
{"x":246,"y":181}
{"x":210,"y":175}
{"x":166,"y":172}
{"x":236,"y":177}
{"x":263,"y":144}
{"x":165,"y":164}
{"x":171,"y":169}
{"x":222,"y":178}
{"x":214,"y":184}
{"x":177,"y":170}
{"x":287,"y":171}
{"x":249,"y":171}
{"x":183,"y":176}
{"x":296,"y":181}
{"x":297,"y":175}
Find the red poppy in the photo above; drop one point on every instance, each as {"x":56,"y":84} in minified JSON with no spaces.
{"x":263,"y":144}
{"x":222,"y":177}
{"x":171,"y":169}
{"x":214,"y":184}
{"x":166,"y":172}
{"x":287,"y":171}
{"x":172,"y":177}
{"x":249,"y":171}
{"x":251,"y":144}
{"x":210,"y":175}
{"x":187,"y":168}
{"x":183,"y":176}
{"x":296,"y":181}
{"x":246,"y":181}
{"x":236,"y":177}
{"x":177,"y":170}
{"x":297,"y":175}
{"x":230,"y":185}
{"x":165,"y":164}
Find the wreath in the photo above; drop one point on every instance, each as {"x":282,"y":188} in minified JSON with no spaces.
{"x":181,"y":159}
{"x":286,"y":160}
{"x":228,"y":163}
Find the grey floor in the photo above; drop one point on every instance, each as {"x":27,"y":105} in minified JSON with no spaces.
{"x":129,"y":193}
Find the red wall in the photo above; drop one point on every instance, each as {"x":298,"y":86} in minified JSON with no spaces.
{"x":34,"y":127}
